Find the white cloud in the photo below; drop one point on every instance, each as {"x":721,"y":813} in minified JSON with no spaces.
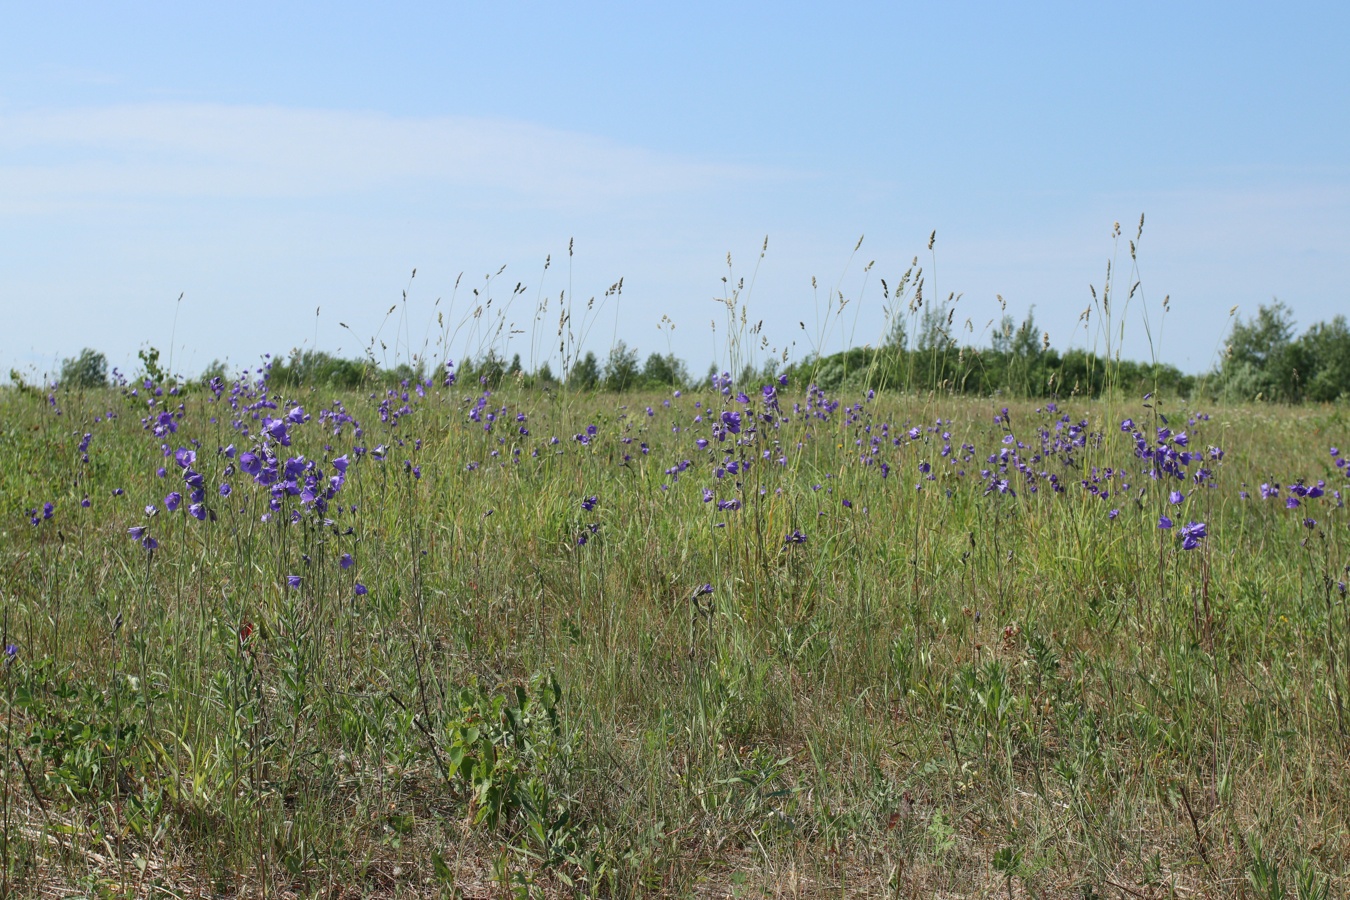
{"x":57,"y":159}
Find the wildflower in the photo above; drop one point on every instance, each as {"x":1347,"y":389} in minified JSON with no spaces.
{"x":1175,"y":497}
{"x":589,"y":503}
{"x":796,"y":537}
{"x":1191,"y":535}
{"x":703,"y":591}
{"x":197,"y":511}
{"x":360,"y":589}
{"x":293,"y":581}
{"x":1164,"y":522}
{"x":998,"y":484}
{"x":1113,"y":513}
{"x":136,"y":532}
{"x":276,"y":429}
{"x":346,"y":561}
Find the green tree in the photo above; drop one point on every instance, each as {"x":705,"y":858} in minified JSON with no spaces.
{"x":1025,"y":373}
{"x":621,"y":369}
{"x":1322,"y":357}
{"x":897,"y":336}
{"x":88,"y":370}
{"x":318,"y":369}
{"x":1001,"y":340}
{"x":934,"y":330}
{"x":1262,"y":340}
{"x":1259,"y":362}
{"x":585,"y":375}
{"x":666,"y":370}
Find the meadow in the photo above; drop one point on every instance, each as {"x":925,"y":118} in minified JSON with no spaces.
{"x":753,"y":639}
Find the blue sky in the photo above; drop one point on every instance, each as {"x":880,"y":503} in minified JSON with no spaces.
{"x":265,"y":160}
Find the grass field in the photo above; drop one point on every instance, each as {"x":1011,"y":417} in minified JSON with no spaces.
{"x":441,"y":641}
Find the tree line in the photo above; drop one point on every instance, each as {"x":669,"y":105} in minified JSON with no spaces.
{"x":1264,"y":360}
